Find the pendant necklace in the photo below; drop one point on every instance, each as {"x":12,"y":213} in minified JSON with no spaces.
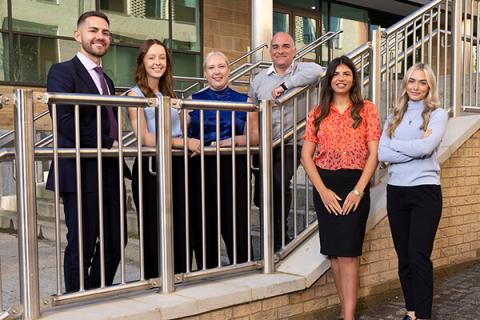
{"x":409,"y":119}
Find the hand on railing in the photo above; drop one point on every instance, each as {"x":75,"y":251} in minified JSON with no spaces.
{"x":194,"y":146}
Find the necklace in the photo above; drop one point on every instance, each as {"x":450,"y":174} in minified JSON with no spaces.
{"x":409,"y":119}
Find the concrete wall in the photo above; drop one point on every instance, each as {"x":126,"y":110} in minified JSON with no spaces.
{"x":457,"y":241}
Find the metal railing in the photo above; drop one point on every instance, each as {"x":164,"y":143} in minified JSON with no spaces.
{"x":442,"y":34}
{"x":26,"y":154}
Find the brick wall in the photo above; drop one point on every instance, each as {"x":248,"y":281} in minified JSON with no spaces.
{"x":457,"y":241}
{"x":226,"y":26}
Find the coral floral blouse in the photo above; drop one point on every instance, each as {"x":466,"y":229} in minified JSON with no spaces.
{"x":339,"y":145}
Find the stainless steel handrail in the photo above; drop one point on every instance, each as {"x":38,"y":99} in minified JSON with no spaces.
{"x":316,"y":43}
{"x":412,"y":17}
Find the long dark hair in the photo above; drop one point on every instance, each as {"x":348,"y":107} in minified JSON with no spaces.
{"x":166,"y":81}
{"x":326,"y":92}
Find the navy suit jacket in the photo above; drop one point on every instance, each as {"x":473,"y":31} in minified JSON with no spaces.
{"x":72,"y":77}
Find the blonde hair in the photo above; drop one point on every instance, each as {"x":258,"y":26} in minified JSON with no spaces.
{"x":215,"y":53}
{"x":431,"y":101}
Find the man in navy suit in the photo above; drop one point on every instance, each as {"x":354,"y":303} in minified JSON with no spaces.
{"x":83,"y":74}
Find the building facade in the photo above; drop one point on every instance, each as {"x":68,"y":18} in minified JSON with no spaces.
{"x":37,"y":33}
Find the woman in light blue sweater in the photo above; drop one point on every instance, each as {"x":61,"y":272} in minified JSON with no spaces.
{"x":409,"y":144}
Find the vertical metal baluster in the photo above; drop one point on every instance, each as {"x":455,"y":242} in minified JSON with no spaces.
{"x":164,"y":187}
{"x":463,"y":50}
{"x":445,"y":58}
{"x":234,"y":190}
{"x":439,"y":15}
{"x":26,"y":205}
{"x":58,"y":248}
{"x":362,"y":73}
{"x":100,"y":196}
{"x":477,"y":69}
{"x":267,"y":182}
{"x":305,"y":176}
{"x":422,"y":38}
{"x":186,"y":189}
{"x":140,"y":193}
{"x":396,"y":68}
{"x":414,"y":37}
{"x":294,"y":191}
{"x":122,"y":195}
{"x":387,"y":75}
{"x":282,"y":175}
{"x":202,"y":181}
{"x":405,"y":51}
{"x":430,"y":37}
{"x":470,"y":64}
{"x":79,"y":198}
{"x":219,"y":191}
{"x":249,"y":191}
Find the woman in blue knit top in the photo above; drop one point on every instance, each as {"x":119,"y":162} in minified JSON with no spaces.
{"x":409,"y":144}
{"x":220,"y":221}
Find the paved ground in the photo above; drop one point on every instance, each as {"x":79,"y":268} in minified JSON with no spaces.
{"x":457,"y":297}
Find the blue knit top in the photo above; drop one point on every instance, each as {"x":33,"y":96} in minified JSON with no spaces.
{"x":226,"y":94}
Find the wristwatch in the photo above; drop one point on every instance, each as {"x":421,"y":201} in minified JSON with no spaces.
{"x":284,"y":86}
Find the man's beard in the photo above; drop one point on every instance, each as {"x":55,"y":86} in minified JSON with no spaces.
{"x":90,"y":50}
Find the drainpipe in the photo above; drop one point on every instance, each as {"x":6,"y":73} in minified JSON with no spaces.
{"x":262,"y":25}
{"x":456,"y":78}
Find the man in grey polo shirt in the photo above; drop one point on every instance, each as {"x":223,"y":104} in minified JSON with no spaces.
{"x":270,"y":84}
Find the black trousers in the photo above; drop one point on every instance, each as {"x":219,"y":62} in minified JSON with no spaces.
{"x":150,"y":219}
{"x":279,"y":188}
{"x":90,"y":231}
{"x":226,"y":209}
{"x":414,"y":214}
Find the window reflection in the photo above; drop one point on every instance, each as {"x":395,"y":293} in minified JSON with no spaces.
{"x":131,"y":22}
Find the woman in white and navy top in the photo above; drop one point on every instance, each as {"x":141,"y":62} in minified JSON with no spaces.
{"x":154,"y":78}
{"x":409,"y":144}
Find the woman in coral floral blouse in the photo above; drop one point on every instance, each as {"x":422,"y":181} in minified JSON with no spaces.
{"x":340,"y":156}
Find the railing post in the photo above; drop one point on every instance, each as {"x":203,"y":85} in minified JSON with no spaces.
{"x":26,"y":204}
{"x":267,"y":182}
{"x":164,"y":194}
{"x":376,"y":69}
{"x":456,"y":63}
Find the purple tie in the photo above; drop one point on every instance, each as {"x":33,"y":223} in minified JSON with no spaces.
{"x":111,"y":116}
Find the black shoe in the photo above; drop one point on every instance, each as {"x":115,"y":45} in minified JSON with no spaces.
{"x":407,"y":317}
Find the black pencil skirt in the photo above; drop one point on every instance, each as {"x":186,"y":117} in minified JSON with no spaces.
{"x":342,"y":235}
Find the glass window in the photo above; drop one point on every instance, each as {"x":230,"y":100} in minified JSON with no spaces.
{"x":39,"y":13}
{"x":310,"y":5}
{"x":280,"y":22}
{"x":4,"y":14}
{"x":33,"y":56}
{"x":305,"y":32}
{"x":4,"y":66}
{"x":119,"y":64}
{"x":186,"y":25}
{"x":353,"y":22}
{"x":131,"y":22}
{"x":185,"y":64}
{"x":114,"y":5}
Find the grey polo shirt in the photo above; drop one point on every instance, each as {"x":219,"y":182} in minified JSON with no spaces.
{"x":299,"y":74}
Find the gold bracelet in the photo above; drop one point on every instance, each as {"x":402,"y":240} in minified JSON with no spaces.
{"x":357,"y":193}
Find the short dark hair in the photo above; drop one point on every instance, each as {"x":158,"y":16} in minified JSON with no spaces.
{"x":89,"y":14}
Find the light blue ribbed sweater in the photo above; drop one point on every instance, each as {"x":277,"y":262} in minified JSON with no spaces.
{"x":413,"y":160}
